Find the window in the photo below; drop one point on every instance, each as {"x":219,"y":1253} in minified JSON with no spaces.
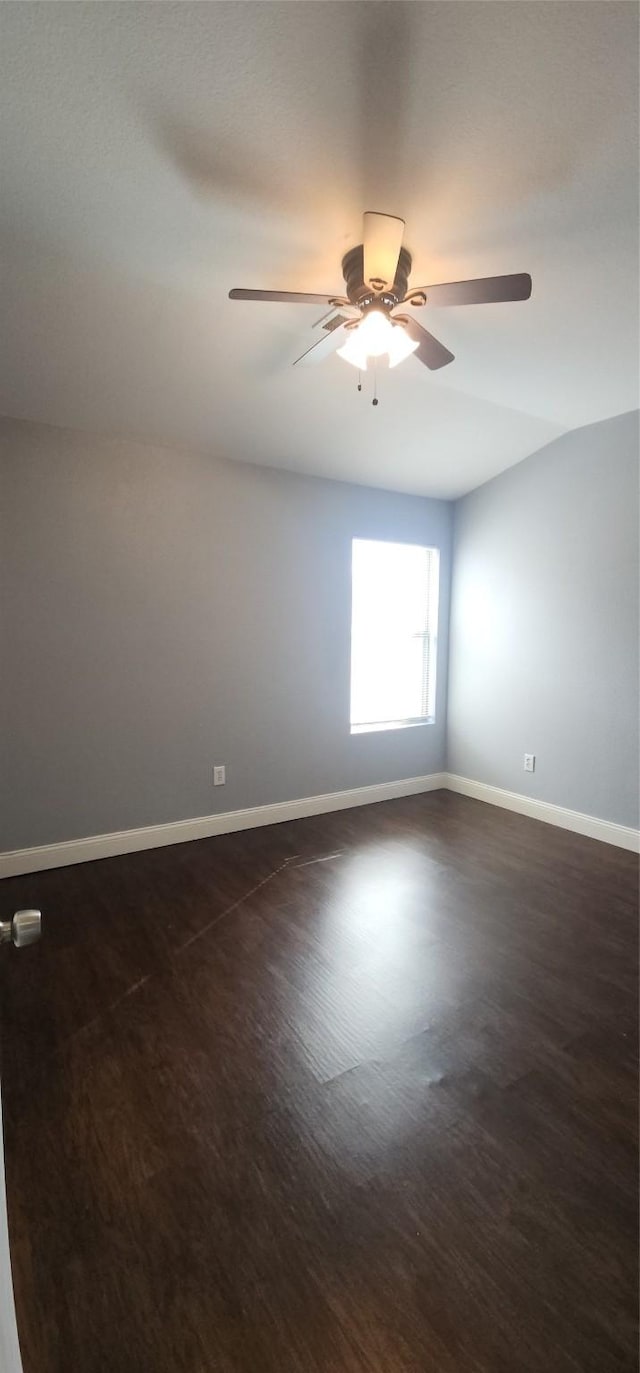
{"x":394,"y":621}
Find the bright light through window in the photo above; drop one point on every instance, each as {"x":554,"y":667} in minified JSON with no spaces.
{"x":394,"y":622}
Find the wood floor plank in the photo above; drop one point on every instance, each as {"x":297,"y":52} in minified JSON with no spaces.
{"x":354,"y":1094}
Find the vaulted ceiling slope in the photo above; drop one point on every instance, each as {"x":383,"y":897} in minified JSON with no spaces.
{"x":155,"y":155}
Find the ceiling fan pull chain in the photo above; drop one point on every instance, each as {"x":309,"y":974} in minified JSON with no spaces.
{"x":375,"y":382}
{"x":359,"y":380}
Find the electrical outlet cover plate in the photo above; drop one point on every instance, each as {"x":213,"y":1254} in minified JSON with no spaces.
{"x":219,"y":775}
{"x":529,"y":762}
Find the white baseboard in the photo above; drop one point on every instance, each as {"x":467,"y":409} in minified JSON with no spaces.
{"x":606,"y":830}
{"x":94,"y":846}
{"x":19,"y":861}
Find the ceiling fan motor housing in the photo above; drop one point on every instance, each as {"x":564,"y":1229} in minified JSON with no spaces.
{"x":361,"y":294}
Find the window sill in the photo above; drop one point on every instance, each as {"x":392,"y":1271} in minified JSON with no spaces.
{"x":391,"y":724}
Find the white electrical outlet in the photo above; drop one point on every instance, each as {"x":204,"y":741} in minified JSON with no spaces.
{"x":219,"y":775}
{"x":529,"y":762}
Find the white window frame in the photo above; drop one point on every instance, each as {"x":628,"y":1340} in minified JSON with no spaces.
{"x":430,"y":645}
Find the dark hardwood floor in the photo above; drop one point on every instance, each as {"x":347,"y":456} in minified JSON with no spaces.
{"x":355,"y":1094}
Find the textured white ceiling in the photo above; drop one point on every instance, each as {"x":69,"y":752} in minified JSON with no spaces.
{"x":154,"y":155}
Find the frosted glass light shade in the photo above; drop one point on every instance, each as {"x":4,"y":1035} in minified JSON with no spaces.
{"x":376,"y":335}
{"x":400,"y":345}
{"x":354,"y":351}
{"x":375,"y":332}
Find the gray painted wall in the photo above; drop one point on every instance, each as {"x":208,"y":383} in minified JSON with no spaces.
{"x":544,"y":625}
{"x":162,"y":612}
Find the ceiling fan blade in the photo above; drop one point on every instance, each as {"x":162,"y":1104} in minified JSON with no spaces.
{"x":334,"y":336}
{"x":382,"y":241}
{"x":286,"y":297}
{"x":482,"y":291}
{"x":430,"y":351}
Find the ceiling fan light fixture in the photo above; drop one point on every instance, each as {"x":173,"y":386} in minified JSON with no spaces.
{"x":371,"y":339}
{"x":400,"y":345}
{"x":375,"y":333}
{"x":374,"y":337}
{"x":354,"y":351}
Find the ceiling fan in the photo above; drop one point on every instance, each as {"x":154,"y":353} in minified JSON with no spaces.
{"x":376,"y":275}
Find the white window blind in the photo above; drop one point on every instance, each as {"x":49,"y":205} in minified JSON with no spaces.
{"x":394,"y":623}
